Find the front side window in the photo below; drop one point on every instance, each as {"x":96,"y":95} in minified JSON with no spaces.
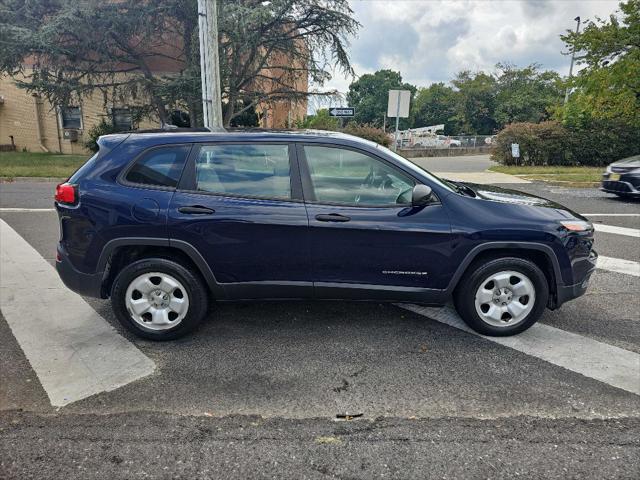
{"x":160,"y":167}
{"x":348,"y":177}
{"x":256,"y":170}
{"x":71,"y":117}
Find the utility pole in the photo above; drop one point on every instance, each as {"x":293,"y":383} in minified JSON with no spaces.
{"x":573,"y":56}
{"x":209,"y":63}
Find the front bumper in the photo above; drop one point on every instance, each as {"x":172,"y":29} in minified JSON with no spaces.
{"x":627,"y":184}
{"x":88,"y":285}
{"x":569,"y":292}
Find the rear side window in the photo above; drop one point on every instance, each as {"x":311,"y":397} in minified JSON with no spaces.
{"x":256,"y":170}
{"x":159,"y":167}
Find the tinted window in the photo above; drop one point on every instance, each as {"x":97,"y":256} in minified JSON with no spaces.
{"x":250,"y":169}
{"x":160,"y":166}
{"x":345,"y":176}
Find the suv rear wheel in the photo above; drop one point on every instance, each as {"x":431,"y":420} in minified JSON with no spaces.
{"x":501,"y":297}
{"x":158,"y":299}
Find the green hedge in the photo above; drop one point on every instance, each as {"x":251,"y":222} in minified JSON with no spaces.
{"x":368,"y":132}
{"x":594,"y":143}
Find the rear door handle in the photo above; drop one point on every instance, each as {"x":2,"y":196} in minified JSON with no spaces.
{"x":196,"y":210}
{"x":332,"y":217}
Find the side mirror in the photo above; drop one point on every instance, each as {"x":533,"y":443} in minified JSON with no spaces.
{"x":421,"y":195}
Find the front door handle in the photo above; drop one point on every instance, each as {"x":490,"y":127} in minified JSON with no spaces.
{"x":332,"y":217}
{"x":196,"y":210}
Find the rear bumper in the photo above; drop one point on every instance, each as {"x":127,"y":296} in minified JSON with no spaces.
{"x":569,"y":292}
{"x":88,"y":285}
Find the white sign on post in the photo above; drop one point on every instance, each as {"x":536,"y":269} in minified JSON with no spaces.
{"x":398,"y":105}
{"x":515,"y":150}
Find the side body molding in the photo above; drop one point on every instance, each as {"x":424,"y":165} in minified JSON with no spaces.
{"x":347,"y":291}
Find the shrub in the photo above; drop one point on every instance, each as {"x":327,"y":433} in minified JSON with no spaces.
{"x":596,"y":143}
{"x":368,"y":132}
{"x":99,"y":129}
{"x":320,"y":121}
{"x":540,"y":144}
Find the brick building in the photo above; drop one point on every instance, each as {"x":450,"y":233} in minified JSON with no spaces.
{"x":30,"y":122}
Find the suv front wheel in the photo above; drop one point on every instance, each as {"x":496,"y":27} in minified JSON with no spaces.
{"x":503,"y":296}
{"x":158,"y":299}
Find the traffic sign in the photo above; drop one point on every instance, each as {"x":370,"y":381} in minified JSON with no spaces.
{"x":398,"y":105}
{"x":342,"y":112}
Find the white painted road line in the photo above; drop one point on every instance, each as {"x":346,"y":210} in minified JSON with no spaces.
{"x":611,"y":214}
{"x":72,"y":349}
{"x":600,"y":361}
{"x":628,"y":267}
{"x":630,"y":232}
{"x":11,"y":209}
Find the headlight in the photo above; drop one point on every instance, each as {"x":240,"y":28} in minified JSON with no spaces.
{"x":608,"y":170}
{"x":577,"y":225}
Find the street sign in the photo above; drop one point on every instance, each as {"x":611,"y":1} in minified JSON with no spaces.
{"x":342,"y":112}
{"x":398,"y":105}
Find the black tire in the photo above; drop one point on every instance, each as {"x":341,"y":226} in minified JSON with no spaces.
{"x":464,"y":297}
{"x":195,"y":289}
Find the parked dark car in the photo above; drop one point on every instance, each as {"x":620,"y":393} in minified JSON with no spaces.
{"x":623,"y":177}
{"x":162,"y":223}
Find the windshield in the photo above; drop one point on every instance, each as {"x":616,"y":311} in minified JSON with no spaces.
{"x":443,"y":183}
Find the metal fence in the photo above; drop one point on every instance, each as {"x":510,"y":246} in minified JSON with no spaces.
{"x":409,"y":140}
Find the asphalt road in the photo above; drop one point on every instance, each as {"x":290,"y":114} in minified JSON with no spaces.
{"x":256,"y":391}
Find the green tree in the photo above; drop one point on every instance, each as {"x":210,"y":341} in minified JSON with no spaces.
{"x":80,"y":48}
{"x":369,"y":95}
{"x":320,"y":121}
{"x":608,"y":85}
{"x":476,"y":102}
{"x":525,"y":94}
{"x":435,"y":105}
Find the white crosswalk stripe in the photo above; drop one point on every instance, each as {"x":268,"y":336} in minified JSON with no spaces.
{"x":74,"y":352}
{"x":629,"y":232}
{"x":628,"y":267}
{"x":16,"y":209}
{"x":600,"y":361}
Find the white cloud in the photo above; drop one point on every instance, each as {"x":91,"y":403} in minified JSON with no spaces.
{"x":429,"y":41}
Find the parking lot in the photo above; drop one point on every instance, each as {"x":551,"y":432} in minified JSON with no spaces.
{"x":263,"y":389}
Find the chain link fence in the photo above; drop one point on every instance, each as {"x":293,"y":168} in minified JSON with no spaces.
{"x":409,"y":140}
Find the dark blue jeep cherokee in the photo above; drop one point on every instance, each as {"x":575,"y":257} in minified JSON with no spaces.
{"x":163,"y":222}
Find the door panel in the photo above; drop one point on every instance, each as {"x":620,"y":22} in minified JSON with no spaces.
{"x":245,"y":239}
{"x":404,"y":246}
{"x":363,"y":229}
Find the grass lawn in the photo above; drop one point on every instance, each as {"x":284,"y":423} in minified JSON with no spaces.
{"x":575,"y":175}
{"x":28,"y":164}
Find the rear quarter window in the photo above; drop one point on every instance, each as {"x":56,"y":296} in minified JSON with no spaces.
{"x":159,"y":167}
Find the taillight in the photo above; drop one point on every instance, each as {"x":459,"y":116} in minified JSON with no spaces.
{"x":66,"y":193}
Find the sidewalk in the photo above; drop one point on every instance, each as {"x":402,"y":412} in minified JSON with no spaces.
{"x":472,"y":169}
{"x":485,"y":177}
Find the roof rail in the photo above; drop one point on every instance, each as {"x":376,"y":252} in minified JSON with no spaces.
{"x":175,"y":129}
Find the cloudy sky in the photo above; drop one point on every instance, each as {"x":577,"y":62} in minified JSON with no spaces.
{"x":429,"y":41}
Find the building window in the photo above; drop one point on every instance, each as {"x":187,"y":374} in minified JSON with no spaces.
{"x":122,"y":119}
{"x":71,"y":117}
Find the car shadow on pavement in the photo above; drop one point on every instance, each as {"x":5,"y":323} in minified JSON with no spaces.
{"x":323,"y":359}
